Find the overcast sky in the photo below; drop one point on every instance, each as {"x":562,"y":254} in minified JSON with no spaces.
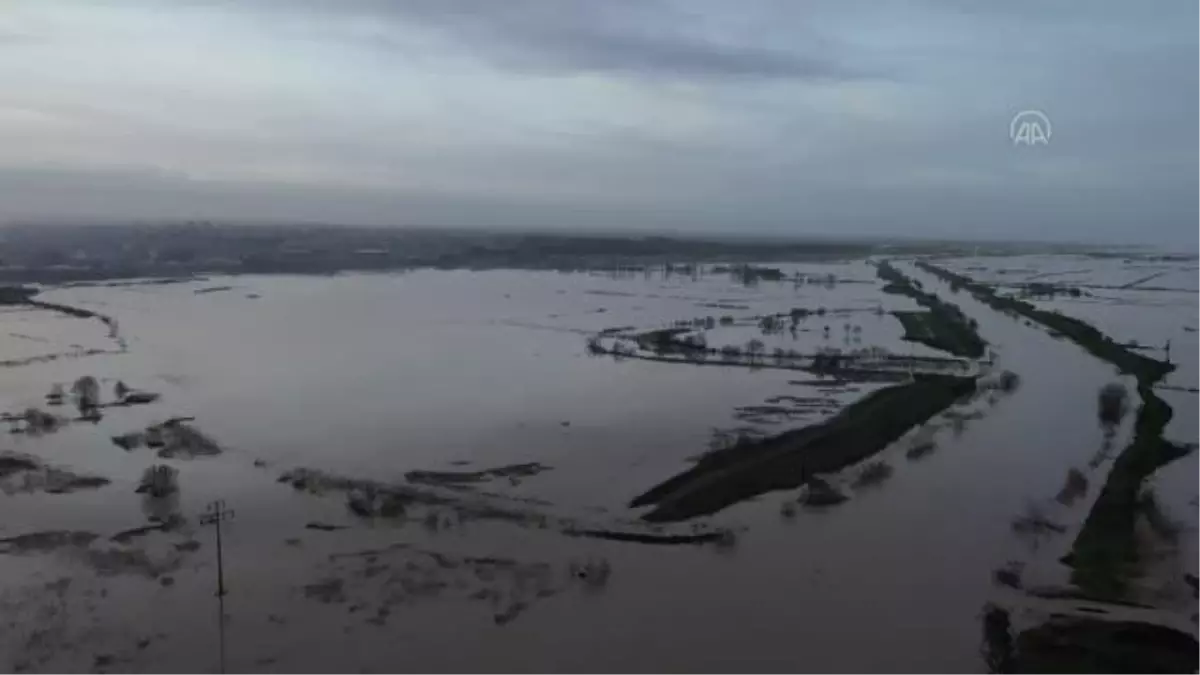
{"x":830,"y":117}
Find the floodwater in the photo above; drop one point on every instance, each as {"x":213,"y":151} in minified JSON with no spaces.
{"x":1153,"y":304}
{"x":372,"y":376}
{"x":1134,"y":301}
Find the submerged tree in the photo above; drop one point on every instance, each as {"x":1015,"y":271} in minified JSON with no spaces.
{"x":755,"y":348}
{"x":159,"y":480}
{"x":594,"y":346}
{"x":1009,"y":381}
{"x":770,"y":324}
{"x":87,"y":394}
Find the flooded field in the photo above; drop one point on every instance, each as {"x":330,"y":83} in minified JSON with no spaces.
{"x":696,"y":467}
{"x":1149,"y":305}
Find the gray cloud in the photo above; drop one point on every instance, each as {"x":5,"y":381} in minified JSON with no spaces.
{"x":645,"y":38}
{"x":672,"y":57}
{"x":16,"y":38}
{"x":770,"y":116}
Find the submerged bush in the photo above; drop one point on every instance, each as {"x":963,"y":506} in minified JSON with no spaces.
{"x":1075,"y":486}
{"x":159,"y":480}
{"x":873,"y":474}
{"x":819,"y":492}
{"x":920,"y":448}
{"x":755,"y":348}
{"x":87,"y":392}
{"x":1112,"y":404}
{"x":594,"y":346}
{"x":1009,"y":381}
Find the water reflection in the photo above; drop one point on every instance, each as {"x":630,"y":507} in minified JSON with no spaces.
{"x":322,"y":373}
{"x":161,"y":509}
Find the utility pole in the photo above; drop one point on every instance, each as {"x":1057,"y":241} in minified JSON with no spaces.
{"x":213,"y":516}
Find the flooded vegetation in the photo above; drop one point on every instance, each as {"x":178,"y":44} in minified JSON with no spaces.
{"x":787,"y":460}
{"x":944,"y":326}
{"x":486,"y":461}
{"x":1108,"y":559}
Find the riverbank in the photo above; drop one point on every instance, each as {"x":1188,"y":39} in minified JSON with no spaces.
{"x":1104,"y":557}
{"x":27,"y":296}
{"x":787,"y":460}
{"x":943,"y":327}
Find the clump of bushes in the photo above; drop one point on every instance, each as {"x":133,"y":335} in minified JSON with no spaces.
{"x":873,"y":474}
{"x":819,"y":492}
{"x":159,"y":480}
{"x":87,"y":393}
{"x":1075,"y":486}
{"x":921,"y":448}
{"x":1009,"y":381}
{"x":1009,"y":575}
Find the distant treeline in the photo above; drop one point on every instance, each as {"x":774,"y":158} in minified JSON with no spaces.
{"x":61,"y":253}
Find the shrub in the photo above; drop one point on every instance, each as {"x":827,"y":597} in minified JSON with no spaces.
{"x":921,"y":448}
{"x":820,"y":493}
{"x":873,"y":474}
{"x":1112,"y":403}
{"x":1074,"y":487}
{"x":159,"y":480}
{"x":1009,"y":381}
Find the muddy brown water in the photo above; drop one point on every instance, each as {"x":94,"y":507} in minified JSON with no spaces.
{"x":374,"y":376}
